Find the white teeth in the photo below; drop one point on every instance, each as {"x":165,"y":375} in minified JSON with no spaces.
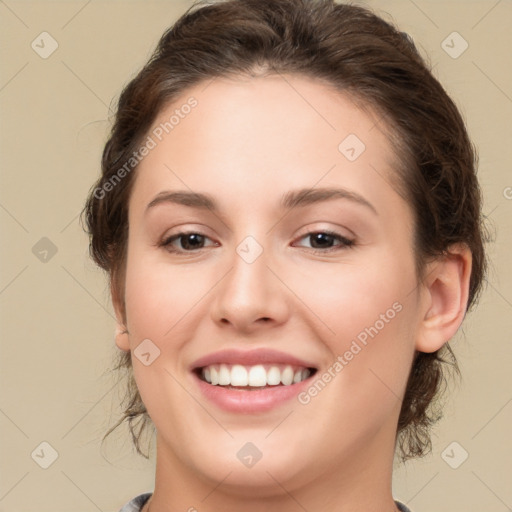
{"x":253,"y":376}
{"x":239,"y":376}
{"x":287,"y":376}
{"x":273,"y":376}
{"x":257,"y":376}
{"x":224,"y":375}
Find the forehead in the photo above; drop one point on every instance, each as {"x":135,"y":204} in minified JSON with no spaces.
{"x":253,"y":136}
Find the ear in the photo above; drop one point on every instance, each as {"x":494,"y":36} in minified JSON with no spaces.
{"x":122,"y":336}
{"x":445,"y":296}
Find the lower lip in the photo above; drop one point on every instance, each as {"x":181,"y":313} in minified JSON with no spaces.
{"x":261,"y":400}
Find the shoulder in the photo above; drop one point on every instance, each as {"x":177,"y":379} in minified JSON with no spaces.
{"x":137,"y":503}
{"x":402,"y":507}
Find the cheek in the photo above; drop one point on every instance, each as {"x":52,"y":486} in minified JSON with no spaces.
{"x":160,"y":300}
{"x":367,"y":316}
{"x":159,"y":295}
{"x":350,"y":296}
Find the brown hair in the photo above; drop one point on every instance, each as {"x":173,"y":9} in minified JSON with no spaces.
{"x":357,"y":53}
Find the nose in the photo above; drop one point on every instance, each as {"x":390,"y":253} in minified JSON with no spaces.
{"x":251,"y":296}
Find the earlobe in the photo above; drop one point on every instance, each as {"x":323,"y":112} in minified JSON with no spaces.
{"x":121,"y":338}
{"x":446,"y":292}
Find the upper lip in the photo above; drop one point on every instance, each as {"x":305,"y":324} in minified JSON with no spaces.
{"x":250,"y":358}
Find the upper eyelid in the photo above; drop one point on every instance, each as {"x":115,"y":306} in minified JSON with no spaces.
{"x":338,"y":231}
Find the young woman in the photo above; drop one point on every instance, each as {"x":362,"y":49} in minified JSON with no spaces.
{"x":290,"y":219}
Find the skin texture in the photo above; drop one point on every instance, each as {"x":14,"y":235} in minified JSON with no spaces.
{"x":246,"y":143}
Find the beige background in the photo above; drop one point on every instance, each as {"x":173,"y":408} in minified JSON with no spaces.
{"x":56,"y":319}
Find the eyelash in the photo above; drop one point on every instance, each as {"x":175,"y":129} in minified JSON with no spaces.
{"x":345,"y":242}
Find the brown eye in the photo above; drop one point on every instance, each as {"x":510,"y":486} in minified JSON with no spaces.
{"x":325,"y":241}
{"x":185,"y":242}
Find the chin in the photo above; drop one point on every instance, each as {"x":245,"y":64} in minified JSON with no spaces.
{"x":246,"y":470}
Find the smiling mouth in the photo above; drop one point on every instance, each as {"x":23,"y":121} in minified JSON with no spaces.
{"x":254,"y":377}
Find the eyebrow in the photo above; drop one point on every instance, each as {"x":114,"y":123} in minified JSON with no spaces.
{"x":291,"y":200}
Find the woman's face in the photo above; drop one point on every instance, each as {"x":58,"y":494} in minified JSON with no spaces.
{"x":302,"y":260}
